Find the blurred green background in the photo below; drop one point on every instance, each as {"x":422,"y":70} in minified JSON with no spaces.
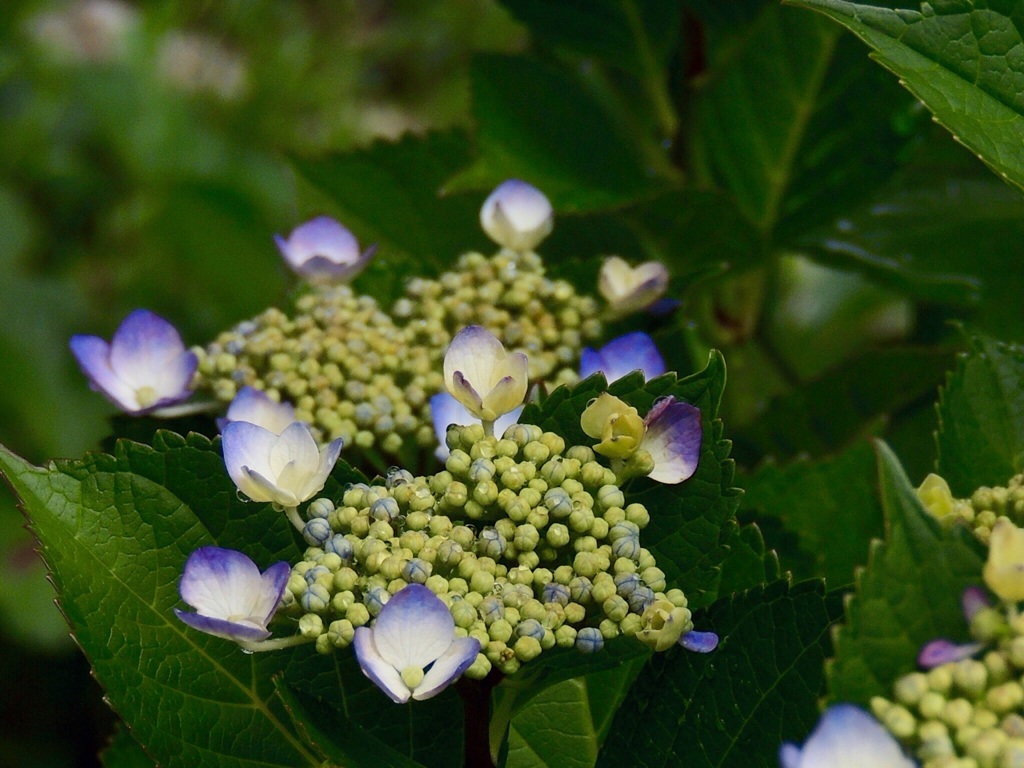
{"x":144,"y":163}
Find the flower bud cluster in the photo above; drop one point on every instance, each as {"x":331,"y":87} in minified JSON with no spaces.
{"x":356,"y":372}
{"x":509,"y":295}
{"x":967,"y":713}
{"x":529,"y":544}
{"x":981,"y":511}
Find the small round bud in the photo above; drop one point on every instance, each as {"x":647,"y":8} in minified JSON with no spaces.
{"x":589,"y":640}
{"x":311,"y":626}
{"x":315,"y":599}
{"x":358,"y":614}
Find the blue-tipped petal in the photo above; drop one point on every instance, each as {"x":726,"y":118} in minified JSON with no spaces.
{"x":229,"y":630}
{"x":846,"y":737}
{"x":673,"y":439}
{"x":414,"y":628}
{"x":623,"y":355}
{"x":449,"y":666}
{"x":93,"y":356}
{"x":144,"y":341}
{"x":699,"y":642}
{"x":941,"y":651}
{"x":382,"y":674}
{"x":323,"y":249}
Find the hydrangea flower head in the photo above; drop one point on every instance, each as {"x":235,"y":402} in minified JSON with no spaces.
{"x":285,"y":469}
{"x":411,"y":651}
{"x":255,"y":407}
{"x":517,"y":216}
{"x":232,"y":598}
{"x":846,"y":737}
{"x":446,"y":410}
{"x":1004,"y":569}
{"x":631,"y":289}
{"x":621,"y":356}
{"x":483,"y":376}
{"x":322,"y":250}
{"x":144,"y":367}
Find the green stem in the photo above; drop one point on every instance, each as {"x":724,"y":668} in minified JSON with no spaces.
{"x":653,"y":76}
{"x":296,"y":520}
{"x":488,"y":428}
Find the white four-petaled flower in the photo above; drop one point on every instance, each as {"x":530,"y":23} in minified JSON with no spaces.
{"x":322,"y":250}
{"x":846,"y":737}
{"x":446,"y":410}
{"x":255,"y":407}
{"x":231,"y":597}
{"x":630,"y":289}
{"x":144,"y":367}
{"x":621,"y":356}
{"x":483,"y":376}
{"x":411,"y":651}
{"x":517,"y":216}
{"x":286,"y":469}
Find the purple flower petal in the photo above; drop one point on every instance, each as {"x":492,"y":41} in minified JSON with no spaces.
{"x":231,"y":597}
{"x":673,"y":439}
{"x":622,"y":356}
{"x":414,"y":628}
{"x":699,"y":642}
{"x":941,"y":651}
{"x":323,"y":249}
{"x":145,"y":367}
{"x":972,"y":600}
{"x":450,"y":665}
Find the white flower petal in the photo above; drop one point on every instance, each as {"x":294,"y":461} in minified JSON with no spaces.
{"x":384,"y":675}
{"x":475,"y":352}
{"x":414,"y":628}
{"x":220,"y":582}
{"x":247,"y":446}
{"x":459,"y":656}
{"x":296,"y":444}
{"x":142,"y":348}
{"x":848,"y":737}
{"x":517,"y":215}
{"x":256,"y":407}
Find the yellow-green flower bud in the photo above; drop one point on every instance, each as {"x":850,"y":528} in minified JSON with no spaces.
{"x":311,"y":626}
{"x":527,"y":648}
{"x":663,"y":625}
{"x":341,"y":633}
{"x":931,"y":705}
{"x":899,"y":722}
{"x":1005,"y":698}
{"x":358,"y":614}
{"x":1004,"y":569}
{"x":910,"y":688}
{"x":970,"y":676}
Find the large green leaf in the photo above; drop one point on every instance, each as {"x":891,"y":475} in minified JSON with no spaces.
{"x":690,"y":523}
{"x":784,"y":119}
{"x":981,"y":417}
{"x":908,"y":595}
{"x":537,"y":122}
{"x":731,"y":708}
{"x":829,"y":507}
{"x":124,"y":752}
{"x":115,"y":531}
{"x":962,"y":58}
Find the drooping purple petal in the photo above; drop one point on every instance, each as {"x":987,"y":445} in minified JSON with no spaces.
{"x":972,"y":600}
{"x":699,"y":642}
{"x":229,"y":630}
{"x":623,"y":355}
{"x":942,"y":651}
{"x":673,"y":439}
{"x":459,"y":657}
{"x":274,"y":580}
{"x":414,"y":628}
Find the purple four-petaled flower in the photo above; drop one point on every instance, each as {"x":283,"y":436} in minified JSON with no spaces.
{"x":622,"y":356}
{"x":322,"y":250}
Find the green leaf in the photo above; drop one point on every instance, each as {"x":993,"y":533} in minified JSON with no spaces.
{"x":537,"y":122}
{"x":115,"y":532}
{"x":908,"y":595}
{"x":389,"y":194}
{"x":981,"y":417}
{"x":634,"y":35}
{"x":124,"y":752}
{"x":828,"y":506}
{"x":689,"y":524}
{"x":733,"y":707}
{"x":846,"y":403}
{"x":962,"y":58}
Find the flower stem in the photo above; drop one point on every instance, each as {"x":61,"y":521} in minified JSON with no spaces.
{"x":476,"y":705}
{"x":276,"y":644}
{"x":293,"y":516}
{"x":488,"y":428}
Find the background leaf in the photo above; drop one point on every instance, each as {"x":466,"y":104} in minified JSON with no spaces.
{"x":733,"y":707}
{"x":961,"y":58}
{"x":829,"y":508}
{"x":981,"y":417}
{"x":124,"y":752}
{"x":908,"y":595}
